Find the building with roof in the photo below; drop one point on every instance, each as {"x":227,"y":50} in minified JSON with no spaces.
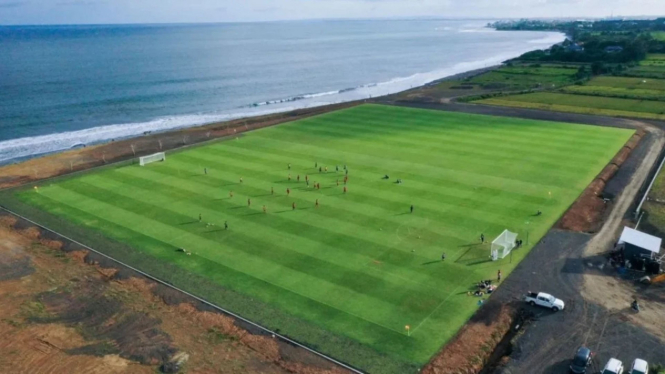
{"x":640,"y":250}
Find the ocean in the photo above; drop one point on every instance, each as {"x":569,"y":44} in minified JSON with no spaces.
{"x":65,"y":86}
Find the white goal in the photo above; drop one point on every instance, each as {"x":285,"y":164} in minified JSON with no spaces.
{"x":503,"y":244}
{"x":161,"y":156}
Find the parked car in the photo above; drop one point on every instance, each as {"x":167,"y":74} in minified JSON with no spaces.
{"x":639,"y":367}
{"x":545,"y":300}
{"x":581,"y":361}
{"x":613,"y":366}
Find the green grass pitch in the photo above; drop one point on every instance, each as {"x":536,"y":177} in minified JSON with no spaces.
{"x":359,"y":265}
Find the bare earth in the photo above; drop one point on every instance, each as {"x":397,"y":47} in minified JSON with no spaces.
{"x":58,"y":315}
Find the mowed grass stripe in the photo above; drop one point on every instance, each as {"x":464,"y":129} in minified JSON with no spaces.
{"x":341,"y":228}
{"x":430,"y":208}
{"x":458,"y":129}
{"x":534,"y":186}
{"x":335,"y":318}
{"x":452,"y":187}
{"x":268,"y":259}
{"x":460,"y":121}
{"x":473,"y":163}
{"x":470,"y":165}
{"x":223,"y":160}
{"x":408,"y":137}
{"x":467,"y":149}
{"x":310,"y":237}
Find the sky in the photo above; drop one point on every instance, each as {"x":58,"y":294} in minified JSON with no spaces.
{"x":194,"y":11}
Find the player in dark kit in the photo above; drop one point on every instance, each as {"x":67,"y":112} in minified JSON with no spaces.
{"x":288,"y":192}
{"x":317,"y":203}
{"x":411,"y":208}
{"x":482,"y":238}
{"x":249,"y":202}
{"x":293,"y":206}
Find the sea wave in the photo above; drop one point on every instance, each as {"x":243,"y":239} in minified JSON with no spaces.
{"x":16,"y":149}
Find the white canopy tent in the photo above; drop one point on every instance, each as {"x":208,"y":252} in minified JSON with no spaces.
{"x":503,"y":244}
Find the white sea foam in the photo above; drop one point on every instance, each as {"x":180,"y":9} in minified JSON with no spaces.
{"x":37,"y":145}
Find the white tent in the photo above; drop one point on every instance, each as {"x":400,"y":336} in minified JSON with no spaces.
{"x":503,"y":244}
{"x":639,"y":239}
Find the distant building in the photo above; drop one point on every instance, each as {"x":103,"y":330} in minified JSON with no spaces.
{"x":613,"y":49}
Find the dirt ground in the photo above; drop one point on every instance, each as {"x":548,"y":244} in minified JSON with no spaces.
{"x":473,"y":345}
{"x":58,"y":315}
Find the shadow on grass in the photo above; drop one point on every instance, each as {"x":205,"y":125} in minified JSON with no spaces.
{"x":214,"y":231}
{"x":190,"y":222}
{"x":431,"y":262}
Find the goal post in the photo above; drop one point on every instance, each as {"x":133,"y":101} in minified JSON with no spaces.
{"x":503,"y":244}
{"x":161,"y":156}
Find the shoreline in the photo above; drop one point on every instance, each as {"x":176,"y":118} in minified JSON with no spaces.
{"x":15,"y":172}
{"x":27,"y":147}
{"x":178,"y":130}
{"x":25,"y":169}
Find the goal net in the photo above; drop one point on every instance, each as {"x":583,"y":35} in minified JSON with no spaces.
{"x":161,"y":156}
{"x":503,"y":244}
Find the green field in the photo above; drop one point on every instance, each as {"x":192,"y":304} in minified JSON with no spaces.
{"x":597,"y":105}
{"x":348,"y":276}
{"x":519,"y":77}
{"x":622,"y":87}
{"x":658,"y":35}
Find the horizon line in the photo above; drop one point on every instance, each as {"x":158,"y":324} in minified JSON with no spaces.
{"x":413,"y":18}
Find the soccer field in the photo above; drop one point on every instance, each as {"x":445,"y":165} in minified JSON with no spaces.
{"x":347,"y":276}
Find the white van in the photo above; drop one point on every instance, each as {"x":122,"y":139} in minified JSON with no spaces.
{"x":613,"y":366}
{"x":639,"y":367}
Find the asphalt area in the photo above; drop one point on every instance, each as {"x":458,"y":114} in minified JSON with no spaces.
{"x":557,"y":265}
